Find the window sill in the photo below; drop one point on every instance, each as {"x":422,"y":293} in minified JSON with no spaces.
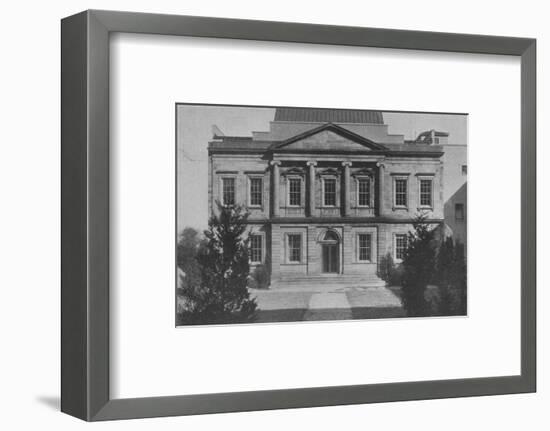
{"x":400,"y":208}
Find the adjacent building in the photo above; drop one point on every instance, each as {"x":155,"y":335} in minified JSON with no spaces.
{"x":330,"y":192}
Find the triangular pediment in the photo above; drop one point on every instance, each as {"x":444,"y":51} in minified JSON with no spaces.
{"x":328,"y":137}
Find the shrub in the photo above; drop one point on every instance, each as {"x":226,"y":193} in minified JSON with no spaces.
{"x":260,"y":277}
{"x":389,"y":271}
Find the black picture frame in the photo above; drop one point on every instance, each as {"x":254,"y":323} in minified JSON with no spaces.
{"x":85,"y":214}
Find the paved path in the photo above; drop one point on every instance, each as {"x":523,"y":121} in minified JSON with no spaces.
{"x":328,"y":306}
{"x":340,"y":304}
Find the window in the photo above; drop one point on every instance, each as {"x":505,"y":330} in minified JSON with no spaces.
{"x":294,"y":248}
{"x":256,"y":248}
{"x":228,"y":191}
{"x":400,"y":192}
{"x":464,"y":169}
{"x":459,"y":212}
{"x":400,"y":246}
{"x":364,"y":247}
{"x":256,"y":192}
{"x":425,"y":193}
{"x":330,"y":236}
{"x":295,"y":192}
{"x":329,"y":191}
{"x":363,"y":191}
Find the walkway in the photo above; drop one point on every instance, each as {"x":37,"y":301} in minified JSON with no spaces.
{"x":338,"y":304}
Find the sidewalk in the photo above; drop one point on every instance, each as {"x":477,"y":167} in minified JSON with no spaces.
{"x":338,"y":304}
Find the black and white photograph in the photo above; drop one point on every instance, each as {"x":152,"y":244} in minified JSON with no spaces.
{"x":290,"y":214}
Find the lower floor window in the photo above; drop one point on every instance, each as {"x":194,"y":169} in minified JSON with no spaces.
{"x":364,"y":240}
{"x":400,"y":246}
{"x":255,"y":248}
{"x":294,"y":248}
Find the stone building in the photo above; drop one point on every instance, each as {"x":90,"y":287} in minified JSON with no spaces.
{"x":330,"y":192}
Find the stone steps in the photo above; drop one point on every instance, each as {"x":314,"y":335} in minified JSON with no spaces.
{"x":326,"y":283}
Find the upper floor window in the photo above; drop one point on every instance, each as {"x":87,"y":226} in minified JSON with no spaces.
{"x":364,"y":247}
{"x":464,"y":169}
{"x":255,"y":248}
{"x":400,"y":189}
{"x":426,"y":192}
{"x":295,"y":191}
{"x":228,"y":191}
{"x":363,"y":192}
{"x":329,"y":193}
{"x":400,"y":246}
{"x":256,"y":185}
{"x":294,"y":247}
{"x":459,"y":212}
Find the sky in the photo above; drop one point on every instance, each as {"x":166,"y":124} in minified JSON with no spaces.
{"x":194,"y":131}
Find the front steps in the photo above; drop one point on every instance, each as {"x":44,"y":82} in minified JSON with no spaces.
{"x":326,"y":283}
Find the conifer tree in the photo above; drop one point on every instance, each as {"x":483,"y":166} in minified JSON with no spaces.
{"x":418,"y":268}
{"x":222,"y":295}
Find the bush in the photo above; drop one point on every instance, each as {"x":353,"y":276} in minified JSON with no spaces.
{"x":221,"y":294}
{"x":390,"y":272}
{"x":260,"y":278}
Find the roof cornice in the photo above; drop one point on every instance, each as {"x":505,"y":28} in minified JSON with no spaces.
{"x":333,"y":128}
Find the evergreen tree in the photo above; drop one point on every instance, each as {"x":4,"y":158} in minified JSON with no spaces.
{"x":221,"y":296}
{"x":445,"y":259}
{"x":451,"y":278}
{"x":418,"y":268}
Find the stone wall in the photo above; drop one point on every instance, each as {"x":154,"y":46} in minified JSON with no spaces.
{"x":242,"y":168}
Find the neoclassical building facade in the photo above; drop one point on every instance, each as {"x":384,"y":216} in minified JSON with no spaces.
{"x":329,"y":192}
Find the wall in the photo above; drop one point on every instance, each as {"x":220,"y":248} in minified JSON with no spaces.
{"x":455,"y":191}
{"x":241,"y":168}
{"x":412,"y":170}
{"x":30,"y":221}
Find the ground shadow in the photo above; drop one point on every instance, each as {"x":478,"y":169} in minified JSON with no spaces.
{"x":300,"y":315}
{"x":282,"y":315}
{"x":51,"y":401}
{"x":377,"y":312}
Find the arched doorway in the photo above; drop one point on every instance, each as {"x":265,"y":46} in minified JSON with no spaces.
{"x":330,"y":253}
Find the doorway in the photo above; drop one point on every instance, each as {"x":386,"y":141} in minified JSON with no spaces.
{"x":330,"y":246}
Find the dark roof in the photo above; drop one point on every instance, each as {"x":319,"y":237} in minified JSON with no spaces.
{"x":319,"y":115}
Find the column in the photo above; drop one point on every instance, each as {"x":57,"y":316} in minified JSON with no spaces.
{"x":346,"y":205}
{"x":379,"y":203}
{"x":311,"y":204}
{"x":275,"y":182}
